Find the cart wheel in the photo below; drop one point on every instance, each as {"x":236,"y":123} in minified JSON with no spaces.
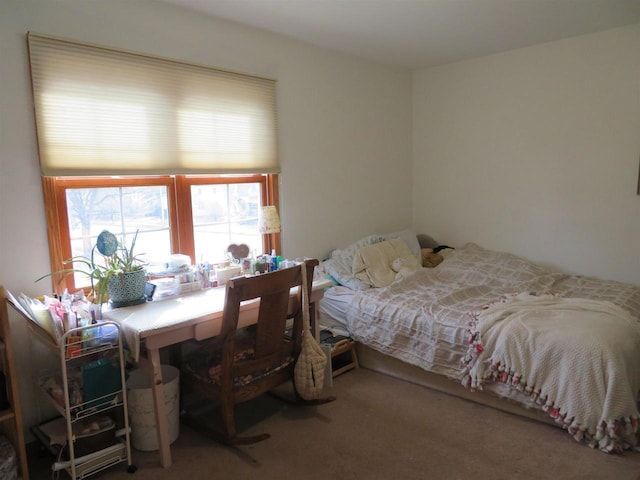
{"x":132,"y":469}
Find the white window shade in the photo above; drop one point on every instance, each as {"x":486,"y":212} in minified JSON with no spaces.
{"x":101,"y":111}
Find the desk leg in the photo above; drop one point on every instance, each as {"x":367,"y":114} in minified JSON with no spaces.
{"x":155,"y":372}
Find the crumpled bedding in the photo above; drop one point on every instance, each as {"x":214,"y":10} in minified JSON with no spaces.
{"x":423,"y":320}
{"x":587,"y":385}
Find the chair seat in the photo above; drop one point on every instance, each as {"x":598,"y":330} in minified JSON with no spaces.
{"x":205,"y":365}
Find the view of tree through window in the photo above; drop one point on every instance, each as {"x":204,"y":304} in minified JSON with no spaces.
{"x":123,"y":211}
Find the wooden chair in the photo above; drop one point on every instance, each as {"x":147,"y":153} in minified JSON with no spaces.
{"x":242,"y":364}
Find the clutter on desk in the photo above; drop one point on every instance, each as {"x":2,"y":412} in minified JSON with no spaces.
{"x":227,"y":272}
{"x":176,"y":276}
{"x":238,"y":252}
{"x":175,"y":264}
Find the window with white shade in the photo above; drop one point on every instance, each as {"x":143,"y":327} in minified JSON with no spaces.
{"x":185,"y":154}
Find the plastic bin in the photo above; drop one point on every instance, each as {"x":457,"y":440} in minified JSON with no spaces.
{"x":144,"y":434}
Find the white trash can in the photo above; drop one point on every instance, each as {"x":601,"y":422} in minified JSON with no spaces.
{"x":144,"y":434}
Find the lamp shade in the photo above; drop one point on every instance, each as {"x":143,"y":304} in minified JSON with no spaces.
{"x":268,"y":220}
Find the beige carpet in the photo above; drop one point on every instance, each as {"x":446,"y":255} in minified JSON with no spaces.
{"x":382,"y":428}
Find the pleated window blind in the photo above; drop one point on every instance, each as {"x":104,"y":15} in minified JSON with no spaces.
{"x":101,"y":111}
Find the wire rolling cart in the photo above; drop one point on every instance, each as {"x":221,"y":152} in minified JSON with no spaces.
{"x":89,"y":392}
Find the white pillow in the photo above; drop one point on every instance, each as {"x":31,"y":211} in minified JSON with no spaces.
{"x":340,"y":262}
{"x":410,"y":238}
{"x":372,"y":263}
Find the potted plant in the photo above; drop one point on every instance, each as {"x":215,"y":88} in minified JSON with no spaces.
{"x":114,"y":271}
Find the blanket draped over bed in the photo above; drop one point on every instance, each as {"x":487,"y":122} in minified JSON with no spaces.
{"x":424,"y":321}
{"x":586,"y":385}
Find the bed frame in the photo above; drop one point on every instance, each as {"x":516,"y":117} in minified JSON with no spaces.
{"x":379,"y":362}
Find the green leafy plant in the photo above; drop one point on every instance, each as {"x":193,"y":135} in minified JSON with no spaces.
{"x":108,"y":258}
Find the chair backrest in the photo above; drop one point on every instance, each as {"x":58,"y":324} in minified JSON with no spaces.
{"x":278,"y":305}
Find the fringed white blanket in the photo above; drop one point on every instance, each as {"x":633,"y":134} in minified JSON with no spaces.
{"x":577,"y":358}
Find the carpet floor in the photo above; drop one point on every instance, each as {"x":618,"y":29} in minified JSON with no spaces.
{"x":378,"y":428}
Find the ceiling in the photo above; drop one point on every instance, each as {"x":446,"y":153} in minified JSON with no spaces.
{"x":423,"y":33}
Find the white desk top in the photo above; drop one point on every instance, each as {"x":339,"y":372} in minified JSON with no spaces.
{"x":140,"y":321}
{"x":168,"y":316}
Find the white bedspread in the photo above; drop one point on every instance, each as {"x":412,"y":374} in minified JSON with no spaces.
{"x":423,"y":320}
{"x":589,"y":385}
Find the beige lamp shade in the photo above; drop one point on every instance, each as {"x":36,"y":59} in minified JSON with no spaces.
{"x":268,"y":220}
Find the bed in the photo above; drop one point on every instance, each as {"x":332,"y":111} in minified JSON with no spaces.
{"x":495,"y":328}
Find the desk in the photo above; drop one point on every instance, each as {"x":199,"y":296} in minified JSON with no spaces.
{"x":196,"y":316}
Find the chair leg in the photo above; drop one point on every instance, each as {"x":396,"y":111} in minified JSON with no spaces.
{"x":228,"y":417}
{"x":220,"y":437}
{"x":228,"y":421}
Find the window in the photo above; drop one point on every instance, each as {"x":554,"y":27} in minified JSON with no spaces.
{"x":225,"y":213}
{"x":184,"y":154}
{"x":197,"y":216}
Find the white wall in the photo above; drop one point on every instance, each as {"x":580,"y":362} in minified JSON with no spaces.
{"x":535,"y":151}
{"x":344,"y":126}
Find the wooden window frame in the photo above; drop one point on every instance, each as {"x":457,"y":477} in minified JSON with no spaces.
{"x":180,"y":213}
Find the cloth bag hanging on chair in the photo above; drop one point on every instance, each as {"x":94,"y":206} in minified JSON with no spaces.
{"x":310,"y":368}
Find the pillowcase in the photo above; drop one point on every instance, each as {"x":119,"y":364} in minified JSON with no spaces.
{"x":372,"y":263}
{"x":410,"y":239}
{"x":339,"y":264}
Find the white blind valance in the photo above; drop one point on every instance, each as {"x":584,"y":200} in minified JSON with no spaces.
{"x":101,"y":111}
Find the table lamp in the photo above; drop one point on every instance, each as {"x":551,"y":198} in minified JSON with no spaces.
{"x":268,"y":220}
